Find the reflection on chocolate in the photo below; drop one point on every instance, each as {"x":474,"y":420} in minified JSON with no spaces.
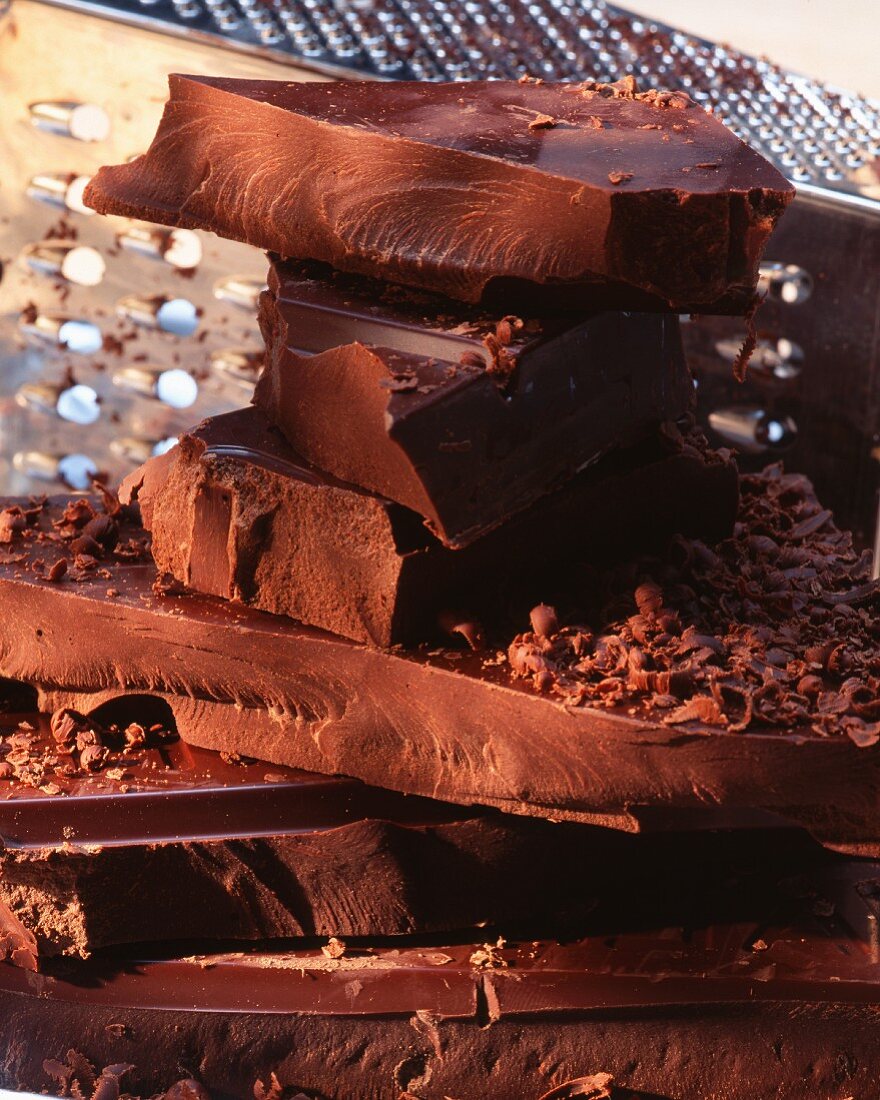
{"x":463,"y":417}
{"x":453,"y":188}
{"x":234,"y":512}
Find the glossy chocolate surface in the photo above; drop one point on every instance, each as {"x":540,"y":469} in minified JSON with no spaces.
{"x":464,"y":418}
{"x":574,"y":193}
{"x":771,"y":944}
{"x":234,"y":512}
{"x":443,"y":723}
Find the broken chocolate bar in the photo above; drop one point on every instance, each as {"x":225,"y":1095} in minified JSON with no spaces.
{"x":177,"y":843}
{"x":462,"y":418}
{"x":234,"y":512}
{"x":619,"y":196}
{"x":708,"y":716}
{"x":640,"y":1005}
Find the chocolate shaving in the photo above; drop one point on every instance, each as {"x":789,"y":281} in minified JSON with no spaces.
{"x":775,"y":628}
{"x":57,"y":571}
{"x":595,"y":1087}
{"x":741,"y":362}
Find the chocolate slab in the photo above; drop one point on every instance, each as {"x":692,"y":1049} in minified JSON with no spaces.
{"x":443,"y":723}
{"x":772,"y":992}
{"x":178,"y":843}
{"x":563,"y":194}
{"x":463,"y":418}
{"x":234,"y":512}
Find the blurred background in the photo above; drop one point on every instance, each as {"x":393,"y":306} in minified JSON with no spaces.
{"x":115,"y":336}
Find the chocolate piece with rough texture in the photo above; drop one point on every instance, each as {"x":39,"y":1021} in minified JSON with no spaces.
{"x":234,"y":512}
{"x":746,"y":983}
{"x":178,"y":843}
{"x":466,"y":727}
{"x":464,"y":418}
{"x":628,"y":197}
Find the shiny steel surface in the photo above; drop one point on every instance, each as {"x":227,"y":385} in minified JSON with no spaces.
{"x":140,"y":295}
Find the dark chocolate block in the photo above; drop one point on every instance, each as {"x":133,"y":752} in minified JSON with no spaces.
{"x":234,"y":512}
{"x":462,"y":418}
{"x":598,"y":738}
{"x":556,"y":195}
{"x":770,"y":992}
{"x":177,"y":843}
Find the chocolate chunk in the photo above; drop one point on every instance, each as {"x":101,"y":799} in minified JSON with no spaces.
{"x":634,"y":1000}
{"x":233,"y":512}
{"x":398,"y":373}
{"x":370,"y":177}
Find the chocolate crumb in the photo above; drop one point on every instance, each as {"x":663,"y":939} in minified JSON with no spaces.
{"x":488,"y":956}
{"x":542,"y":122}
{"x":619,"y":177}
{"x":334,"y":948}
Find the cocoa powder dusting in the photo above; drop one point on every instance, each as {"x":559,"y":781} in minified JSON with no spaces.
{"x":778,"y":627}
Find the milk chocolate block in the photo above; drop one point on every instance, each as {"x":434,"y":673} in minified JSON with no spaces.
{"x":555,"y":195}
{"x":171,"y":842}
{"x":769,"y":990}
{"x":234,"y":512}
{"x":464,"y":418}
{"x":679,"y":701}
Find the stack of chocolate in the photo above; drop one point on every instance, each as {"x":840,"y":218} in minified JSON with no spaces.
{"x":454,"y":415}
{"x":503,"y":573}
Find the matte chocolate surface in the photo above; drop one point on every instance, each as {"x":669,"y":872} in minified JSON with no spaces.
{"x":178,"y":843}
{"x":465,"y":727}
{"x":234,"y":512}
{"x":464,"y":418}
{"x":567,"y":193}
{"x":750,"y":981}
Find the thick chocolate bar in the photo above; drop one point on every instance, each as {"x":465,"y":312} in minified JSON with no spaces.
{"x":177,"y":843}
{"x":769,"y":991}
{"x":555,"y":195}
{"x":234,"y":512}
{"x":462,"y":418}
{"x":701,"y":718}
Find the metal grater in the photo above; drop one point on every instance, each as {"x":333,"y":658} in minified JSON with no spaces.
{"x":814,"y":388}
